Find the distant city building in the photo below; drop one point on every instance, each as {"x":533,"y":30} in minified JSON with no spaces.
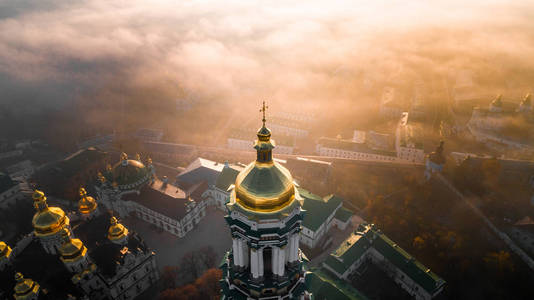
{"x":11,"y":153}
{"x":99,"y":141}
{"x":22,"y":170}
{"x":321,"y":215}
{"x":130,"y":187}
{"x":504,"y":123}
{"x":169,"y":151}
{"x":10,"y":191}
{"x":289,"y":126}
{"x":391,"y":106}
{"x":340,"y":148}
{"x":408,"y":140}
{"x":98,"y":260}
{"x":359,"y":136}
{"x":435,"y":162}
{"x":242,"y":139}
{"x":369,"y":244}
{"x":418,"y":107}
{"x":149,"y":135}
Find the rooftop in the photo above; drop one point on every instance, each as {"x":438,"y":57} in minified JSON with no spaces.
{"x":350,"y":145}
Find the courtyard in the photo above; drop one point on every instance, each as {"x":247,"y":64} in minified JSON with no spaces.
{"x":212,"y":231}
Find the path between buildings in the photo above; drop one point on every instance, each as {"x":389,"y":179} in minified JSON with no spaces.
{"x":503,"y":236}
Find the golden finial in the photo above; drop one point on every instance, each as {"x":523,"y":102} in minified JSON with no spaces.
{"x":83,"y":192}
{"x":38,"y":196}
{"x":124,"y":156}
{"x":138,"y":157}
{"x":149,"y":161}
{"x":109,"y":168}
{"x":101,"y":177}
{"x":262,"y":110}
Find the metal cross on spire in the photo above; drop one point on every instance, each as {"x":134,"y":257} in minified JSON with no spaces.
{"x":263,"y":109}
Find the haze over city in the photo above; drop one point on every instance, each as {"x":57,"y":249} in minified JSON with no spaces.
{"x":389,"y":143}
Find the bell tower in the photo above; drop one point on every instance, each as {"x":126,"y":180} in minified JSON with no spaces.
{"x":265,"y":216}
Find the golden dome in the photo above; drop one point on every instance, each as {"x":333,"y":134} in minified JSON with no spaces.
{"x":127,"y":172}
{"x":25,"y":288}
{"x":87,"y":204}
{"x":5,"y":251}
{"x":264,"y":185}
{"x":116,"y":231}
{"x":47,"y":220}
{"x":71,"y":249}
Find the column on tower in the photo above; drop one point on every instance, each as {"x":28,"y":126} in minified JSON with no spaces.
{"x":235,"y":250}
{"x":281,"y":261}
{"x":254,"y":264}
{"x":260,"y":262}
{"x":275,"y":255}
{"x":294,"y":247}
{"x":245,"y":251}
{"x":240,"y":249}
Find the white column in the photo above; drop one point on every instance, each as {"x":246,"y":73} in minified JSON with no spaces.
{"x":254,"y":266}
{"x":260,"y":262}
{"x":291,"y":245}
{"x":241,"y":253}
{"x":235,"y":250}
{"x":274,"y":260}
{"x":245,"y":253}
{"x":281,"y":262}
{"x":296,"y":249}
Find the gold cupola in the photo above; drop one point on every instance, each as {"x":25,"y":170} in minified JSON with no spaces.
{"x":117,"y":232}
{"x":25,"y":288}
{"x":47,"y":220}
{"x":71,"y":250}
{"x":5,"y":251}
{"x":87,"y":204}
{"x":264,"y":185}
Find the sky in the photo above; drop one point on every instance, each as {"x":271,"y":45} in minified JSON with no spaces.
{"x":59,"y":53}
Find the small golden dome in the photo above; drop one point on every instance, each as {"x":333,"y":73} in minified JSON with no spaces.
{"x":71,"y":249}
{"x":87,"y":204}
{"x":25,"y":288}
{"x":47,"y":220}
{"x":5,"y":251}
{"x":116,"y":231}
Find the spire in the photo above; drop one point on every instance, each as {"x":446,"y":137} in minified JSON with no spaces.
{"x":263,"y":145}
{"x":86,"y":204}
{"x":117,"y":233}
{"x":25,"y":288}
{"x":138,"y":157}
{"x":71,"y":249}
{"x":124,"y":158}
{"x":39,"y":200}
{"x":263,"y":109}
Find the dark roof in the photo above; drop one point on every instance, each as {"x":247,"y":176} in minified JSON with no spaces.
{"x":168,"y":199}
{"x":6,"y":182}
{"x":106,"y":254}
{"x":200,"y":170}
{"x":45,"y":269}
{"x":323,"y":287}
{"x":227,"y":177}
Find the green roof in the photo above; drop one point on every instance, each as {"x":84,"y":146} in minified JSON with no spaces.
{"x":368,"y":236}
{"x":323,"y":287}
{"x":343,"y":214}
{"x":226,"y":178}
{"x":317,"y":209}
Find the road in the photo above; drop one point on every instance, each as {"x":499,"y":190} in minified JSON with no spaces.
{"x":503,"y":236}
